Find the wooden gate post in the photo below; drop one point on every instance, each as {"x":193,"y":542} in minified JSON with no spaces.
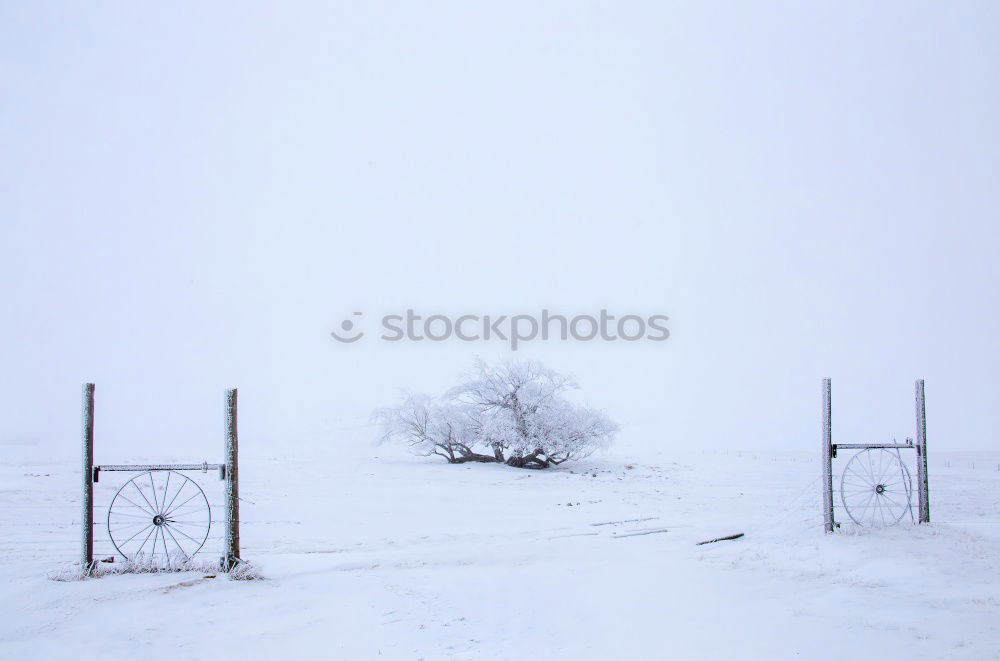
{"x":827,"y":485}
{"x":87,"y":513}
{"x":923,"y":501}
{"x":232,"y":557}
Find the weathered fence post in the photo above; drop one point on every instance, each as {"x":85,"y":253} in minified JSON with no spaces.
{"x":87,"y":514}
{"x":923,"y":505}
{"x":827,"y":485}
{"x":232,"y":557}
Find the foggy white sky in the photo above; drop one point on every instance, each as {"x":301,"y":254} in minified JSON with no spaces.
{"x":192,"y":197}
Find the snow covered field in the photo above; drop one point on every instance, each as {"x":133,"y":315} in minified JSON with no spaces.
{"x":378,"y":554}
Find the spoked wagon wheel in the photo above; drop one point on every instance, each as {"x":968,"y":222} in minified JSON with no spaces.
{"x":875,"y":488}
{"x":159,"y":519}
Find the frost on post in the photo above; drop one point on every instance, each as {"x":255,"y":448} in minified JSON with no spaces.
{"x":232,"y":557}
{"x":87,"y":514}
{"x":827,"y":460}
{"x":922,"y":483}
{"x":515,"y":413}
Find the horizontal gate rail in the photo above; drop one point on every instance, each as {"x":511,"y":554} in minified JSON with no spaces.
{"x":204,"y":467}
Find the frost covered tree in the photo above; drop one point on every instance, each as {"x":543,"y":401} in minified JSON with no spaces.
{"x":515,"y":412}
{"x":431,"y":427}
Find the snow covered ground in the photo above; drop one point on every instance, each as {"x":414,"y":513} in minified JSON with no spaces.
{"x":372,"y":553}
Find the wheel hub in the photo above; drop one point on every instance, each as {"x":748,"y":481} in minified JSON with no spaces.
{"x":158,"y":520}
{"x":880,"y":488}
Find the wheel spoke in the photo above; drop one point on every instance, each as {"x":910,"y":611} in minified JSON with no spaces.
{"x":197,"y":526}
{"x":136,"y":486}
{"x":132,"y":505}
{"x":136,"y":535}
{"x":187,"y":535}
{"x":134,"y":516}
{"x":864,"y":508}
{"x":146,"y":540}
{"x":165,"y":490}
{"x":163,"y":540}
{"x":184,"y":484}
{"x":864,"y":480}
{"x":867,"y":465}
{"x":183,"y":552}
{"x":152,"y":485}
{"x":891,"y":500}
{"x":144,"y":509}
{"x":119,"y":525}
{"x":194,"y":507}
{"x":183,"y":504}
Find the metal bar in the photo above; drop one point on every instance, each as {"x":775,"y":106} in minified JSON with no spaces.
{"x":923,"y":495}
{"x":872,"y":446}
{"x":204,"y":467}
{"x":87,"y":514}
{"x":232,"y":557}
{"x":827,"y":485}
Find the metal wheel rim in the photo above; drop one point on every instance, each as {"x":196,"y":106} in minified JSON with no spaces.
{"x":165,"y":508}
{"x":875,"y":488}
